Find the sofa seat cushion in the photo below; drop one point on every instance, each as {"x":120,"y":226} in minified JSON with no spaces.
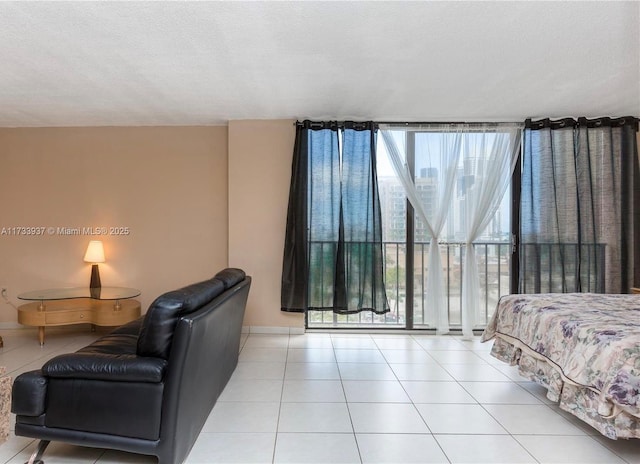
{"x":112,"y":367}
{"x":114,"y":343}
{"x":162,"y":316}
{"x":112,"y":357}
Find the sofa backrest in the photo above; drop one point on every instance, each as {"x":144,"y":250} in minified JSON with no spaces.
{"x":156,"y":332}
{"x":203,"y":356}
{"x":230,"y":276}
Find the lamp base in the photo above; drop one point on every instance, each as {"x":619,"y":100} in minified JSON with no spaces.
{"x":95,"y":277}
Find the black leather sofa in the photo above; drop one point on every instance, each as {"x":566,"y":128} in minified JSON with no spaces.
{"x":148,"y":386}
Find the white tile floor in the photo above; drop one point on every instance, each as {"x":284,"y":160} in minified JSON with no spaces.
{"x":356,"y":398}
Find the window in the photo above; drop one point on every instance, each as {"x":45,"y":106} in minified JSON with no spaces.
{"x":406,"y":237}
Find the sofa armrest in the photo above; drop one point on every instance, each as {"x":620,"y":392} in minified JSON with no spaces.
{"x":29,"y":394}
{"x":103,"y":366}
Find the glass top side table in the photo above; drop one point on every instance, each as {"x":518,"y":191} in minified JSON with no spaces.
{"x":65,"y":293}
{"x":104,"y":306}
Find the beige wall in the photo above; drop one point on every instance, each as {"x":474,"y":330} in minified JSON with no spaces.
{"x":260,"y":154}
{"x":168,"y":185}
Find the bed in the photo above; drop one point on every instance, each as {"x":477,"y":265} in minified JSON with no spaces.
{"x":583,"y":347}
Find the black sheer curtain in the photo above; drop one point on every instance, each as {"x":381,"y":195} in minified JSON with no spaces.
{"x":333,"y":258}
{"x":579,"y":187}
{"x":295,"y":266}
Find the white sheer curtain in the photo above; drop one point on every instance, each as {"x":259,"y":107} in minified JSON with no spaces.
{"x":489,"y":157}
{"x":440,"y":153}
{"x":479,"y":160}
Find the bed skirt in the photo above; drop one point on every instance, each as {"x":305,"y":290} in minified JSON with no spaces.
{"x":586,"y":404}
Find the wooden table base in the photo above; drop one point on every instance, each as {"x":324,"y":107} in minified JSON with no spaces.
{"x":109,"y":313}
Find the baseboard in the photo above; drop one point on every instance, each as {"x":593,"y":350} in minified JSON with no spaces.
{"x":257,"y":329}
{"x":13,"y":325}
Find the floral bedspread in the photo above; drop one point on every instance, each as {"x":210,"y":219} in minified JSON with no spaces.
{"x":583,"y":347}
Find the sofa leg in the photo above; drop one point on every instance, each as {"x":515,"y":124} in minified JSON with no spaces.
{"x":37,"y":454}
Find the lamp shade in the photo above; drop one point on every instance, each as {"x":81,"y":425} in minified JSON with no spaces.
{"x":95,"y":252}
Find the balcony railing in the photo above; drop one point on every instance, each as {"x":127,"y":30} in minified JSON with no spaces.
{"x":493,"y":266}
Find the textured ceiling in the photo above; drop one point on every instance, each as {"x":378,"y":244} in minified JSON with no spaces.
{"x":199,"y":63}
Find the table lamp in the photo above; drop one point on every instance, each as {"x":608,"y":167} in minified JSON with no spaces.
{"x":94,"y":255}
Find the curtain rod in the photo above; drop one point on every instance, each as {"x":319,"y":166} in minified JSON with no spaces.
{"x":341,"y":124}
{"x":582,"y":121}
{"x":448,"y":123}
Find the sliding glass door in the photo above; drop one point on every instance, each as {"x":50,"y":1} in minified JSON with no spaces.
{"x":442,"y":185}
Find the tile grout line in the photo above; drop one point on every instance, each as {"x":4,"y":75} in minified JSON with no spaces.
{"x":284,"y":376}
{"x":344,"y":392}
{"x":416,"y":408}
